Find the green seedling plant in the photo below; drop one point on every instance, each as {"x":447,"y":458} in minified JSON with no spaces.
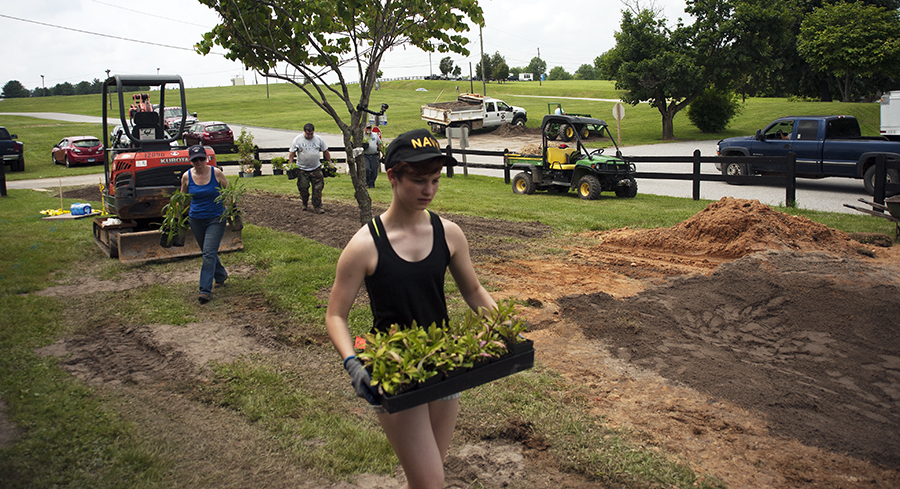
{"x":232,"y":199}
{"x":279,"y":162}
{"x":175,"y":215}
{"x":403,"y":357}
{"x":502,"y":321}
{"x":246,"y":150}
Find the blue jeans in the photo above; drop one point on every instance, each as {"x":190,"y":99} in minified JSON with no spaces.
{"x":373,"y":162}
{"x":208,"y":233}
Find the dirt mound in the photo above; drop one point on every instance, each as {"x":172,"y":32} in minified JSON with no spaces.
{"x":815,"y":353}
{"x":509,"y":130}
{"x":732,"y":228}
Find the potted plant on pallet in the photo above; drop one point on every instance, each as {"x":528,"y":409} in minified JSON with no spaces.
{"x":175,"y":220}
{"x":231,"y":198}
{"x":257,"y":168}
{"x":278,"y":164}
{"x":246,"y":153}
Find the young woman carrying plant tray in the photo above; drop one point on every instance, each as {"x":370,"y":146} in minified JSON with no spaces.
{"x":402,"y":257}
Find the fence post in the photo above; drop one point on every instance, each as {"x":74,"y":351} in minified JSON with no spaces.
{"x":880,"y":178}
{"x":449,"y":167}
{"x":505,"y":166}
{"x":696,"y":174}
{"x":2,"y":179}
{"x":790,"y":192}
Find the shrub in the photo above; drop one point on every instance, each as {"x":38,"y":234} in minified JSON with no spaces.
{"x":713,"y":110}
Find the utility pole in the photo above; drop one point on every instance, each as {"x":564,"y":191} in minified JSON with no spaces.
{"x":538,"y":74}
{"x":483,"y":80}
{"x":42,"y":86}
{"x":109,"y":95}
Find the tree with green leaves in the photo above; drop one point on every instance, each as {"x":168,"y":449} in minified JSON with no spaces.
{"x":304,"y":42}
{"x":669,"y":68}
{"x":489,"y":63}
{"x":15,"y":89}
{"x":64,"y":88}
{"x":585,"y":72}
{"x":851,"y":41}
{"x":501,"y":71}
{"x":559,"y":73}
{"x":536,"y":67}
{"x":446,"y":66}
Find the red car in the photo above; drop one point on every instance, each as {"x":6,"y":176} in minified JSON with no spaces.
{"x":208,"y":134}
{"x":78,"y":150}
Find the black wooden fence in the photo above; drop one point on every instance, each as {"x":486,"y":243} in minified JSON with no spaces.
{"x":788,"y":180}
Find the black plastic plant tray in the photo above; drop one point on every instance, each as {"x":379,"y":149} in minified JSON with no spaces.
{"x":458,"y":383}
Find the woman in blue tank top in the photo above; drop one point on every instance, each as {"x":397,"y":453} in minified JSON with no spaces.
{"x":203,"y":183}
{"x":402,"y":257}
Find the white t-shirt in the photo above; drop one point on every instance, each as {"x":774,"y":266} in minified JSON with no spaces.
{"x":308,"y":150}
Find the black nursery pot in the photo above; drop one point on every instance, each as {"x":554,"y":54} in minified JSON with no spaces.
{"x":178,"y":239}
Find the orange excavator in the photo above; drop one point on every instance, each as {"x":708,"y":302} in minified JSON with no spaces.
{"x":140,"y":179}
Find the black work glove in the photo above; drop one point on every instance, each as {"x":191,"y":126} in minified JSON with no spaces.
{"x":360,"y":379}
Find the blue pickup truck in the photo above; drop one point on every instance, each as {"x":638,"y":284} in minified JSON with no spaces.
{"x":825,"y":146}
{"x":12,"y":151}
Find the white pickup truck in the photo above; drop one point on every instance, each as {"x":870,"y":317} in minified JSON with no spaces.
{"x":473,"y":111}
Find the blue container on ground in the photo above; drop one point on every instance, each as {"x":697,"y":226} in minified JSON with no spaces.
{"x":79,"y":209}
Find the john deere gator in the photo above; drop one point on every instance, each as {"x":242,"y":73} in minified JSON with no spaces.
{"x":563,"y":167}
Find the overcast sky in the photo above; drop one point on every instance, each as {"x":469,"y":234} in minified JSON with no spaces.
{"x":78,"y":40}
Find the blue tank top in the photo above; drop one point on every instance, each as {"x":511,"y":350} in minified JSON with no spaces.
{"x":401,"y":292}
{"x":203,"y":202}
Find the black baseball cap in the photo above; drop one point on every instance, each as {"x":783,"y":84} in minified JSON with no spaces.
{"x":196,"y":151}
{"x":414,"y":146}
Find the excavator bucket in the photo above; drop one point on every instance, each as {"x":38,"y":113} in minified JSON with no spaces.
{"x":120,"y":242}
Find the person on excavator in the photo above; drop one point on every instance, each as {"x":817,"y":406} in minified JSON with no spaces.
{"x":135,"y":105}
{"x":145,"y":105}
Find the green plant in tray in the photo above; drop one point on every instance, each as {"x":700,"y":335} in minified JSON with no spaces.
{"x":401,"y":358}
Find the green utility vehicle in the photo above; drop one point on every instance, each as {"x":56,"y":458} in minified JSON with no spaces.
{"x":566,"y":132}
{"x":560,"y":168}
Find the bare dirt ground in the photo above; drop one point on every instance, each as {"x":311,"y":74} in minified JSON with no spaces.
{"x":758,"y":347}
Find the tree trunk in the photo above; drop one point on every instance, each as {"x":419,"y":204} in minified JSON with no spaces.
{"x":357,"y":170}
{"x":848,"y":88}
{"x":668,"y":124}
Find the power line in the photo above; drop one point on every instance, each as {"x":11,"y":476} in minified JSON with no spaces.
{"x":148,"y":13}
{"x":102,"y":35}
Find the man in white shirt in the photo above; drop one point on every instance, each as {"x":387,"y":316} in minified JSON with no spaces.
{"x":372,"y":149}
{"x":306,"y":148}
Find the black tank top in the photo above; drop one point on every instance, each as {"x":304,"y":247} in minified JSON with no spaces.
{"x":401,"y":292}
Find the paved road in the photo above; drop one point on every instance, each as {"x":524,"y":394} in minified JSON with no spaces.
{"x":827,"y":194}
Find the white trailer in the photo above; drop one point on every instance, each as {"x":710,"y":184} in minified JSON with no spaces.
{"x":473,"y":111}
{"x":890,"y":115}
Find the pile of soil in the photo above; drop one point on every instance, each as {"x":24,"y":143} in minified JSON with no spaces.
{"x":758,"y":347}
{"x":509,"y":130}
{"x":732,"y":228}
